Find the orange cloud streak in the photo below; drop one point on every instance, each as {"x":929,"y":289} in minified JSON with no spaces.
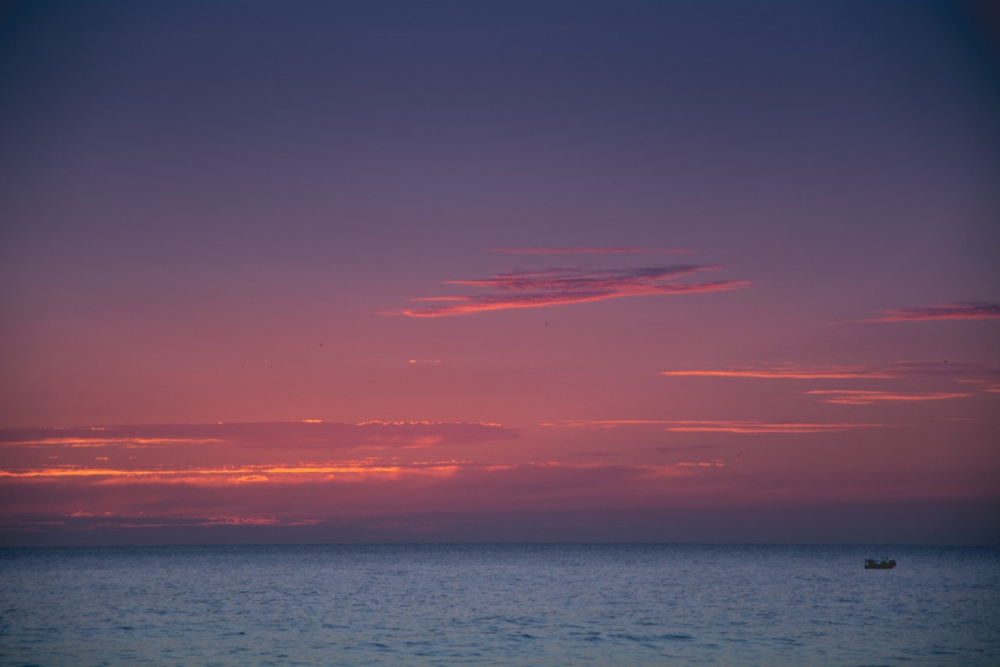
{"x":791,"y":373}
{"x":765,"y":427}
{"x":239,"y":473}
{"x":891,"y":371}
{"x":722,"y":426}
{"x":862,"y":397}
{"x":98,"y":441}
{"x":967,"y":310}
{"x":568,"y":251}
{"x":311,"y":433}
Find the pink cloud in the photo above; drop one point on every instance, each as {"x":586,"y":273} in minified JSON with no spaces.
{"x":128,"y":508}
{"x":308,"y":433}
{"x":562,"y":286}
{"x":788,"y":371}
{"x":756,"y":427}
{"x":245,"y":449}
{"x":567,"y":251}
{"x":719,"y":426}
{"x":896,"y":370}
{"x":865,"y":397}
{"x":979,"y":310}
{"x":306,"y":495}
{"x":235,"y":473}
{"x":983,"y":385}
{"x":579,"y":250}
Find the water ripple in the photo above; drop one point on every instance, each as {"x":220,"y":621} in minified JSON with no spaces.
{"x":487,"y":605}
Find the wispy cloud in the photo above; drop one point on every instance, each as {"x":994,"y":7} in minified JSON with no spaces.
{"x":865,"y":397}
{"x":966,"y":310}
{"x":562,"y":286}
{"x":81,"y":520}
{"x":756,"y":427}
{"x":720,"y":426}
{"x":241,"y":474}
{"x":290,"y":495}
{"x":896,"y":370}
{"x":337,"y":471}
{"x":566,"y":251}
{"x":581,"y":250}
{"x":788,"y":371}
{"x":305,"y":434}
{"x":225,"y":449}
{"x":984,"y":385}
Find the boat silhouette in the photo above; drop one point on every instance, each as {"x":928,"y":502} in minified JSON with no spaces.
{"x":884,"y":564}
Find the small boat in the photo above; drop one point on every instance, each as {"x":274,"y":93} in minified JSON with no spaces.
{"x":872,"y":564}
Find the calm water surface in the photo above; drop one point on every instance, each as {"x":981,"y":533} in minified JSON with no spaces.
{"x":499,"y":605}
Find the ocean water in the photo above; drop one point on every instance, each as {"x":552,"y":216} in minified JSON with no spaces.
{"x":499,"y":605}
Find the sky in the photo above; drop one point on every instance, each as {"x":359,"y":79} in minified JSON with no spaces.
{"x":549,"y":271}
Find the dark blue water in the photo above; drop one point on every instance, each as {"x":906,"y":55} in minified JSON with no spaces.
{"x":490,"y":605}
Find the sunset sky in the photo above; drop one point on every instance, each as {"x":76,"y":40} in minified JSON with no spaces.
{"x":426,"y":271}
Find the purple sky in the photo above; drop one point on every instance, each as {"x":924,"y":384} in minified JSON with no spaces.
{"x":642,"y":271}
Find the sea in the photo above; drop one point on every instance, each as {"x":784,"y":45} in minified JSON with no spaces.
{"x":499,"y":605}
